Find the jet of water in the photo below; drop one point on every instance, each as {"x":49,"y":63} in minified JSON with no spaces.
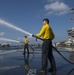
{"x":6,"y":39}
{"x":2,"y":22}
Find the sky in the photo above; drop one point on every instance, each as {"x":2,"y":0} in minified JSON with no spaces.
{"x":28,"y":15}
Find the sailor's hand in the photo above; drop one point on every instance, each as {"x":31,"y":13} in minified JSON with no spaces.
{"x":36,"y":35}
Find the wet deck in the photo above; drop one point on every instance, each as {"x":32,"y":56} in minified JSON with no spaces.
{"x":12,"y":62}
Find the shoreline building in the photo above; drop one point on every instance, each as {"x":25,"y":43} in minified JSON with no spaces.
{"x":71,"y":34}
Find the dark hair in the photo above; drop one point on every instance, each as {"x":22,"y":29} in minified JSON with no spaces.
{"x":47,"y":20}
{"x":25,"y":36}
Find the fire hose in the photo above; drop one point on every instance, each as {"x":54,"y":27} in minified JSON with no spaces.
{"x":55,"y":50}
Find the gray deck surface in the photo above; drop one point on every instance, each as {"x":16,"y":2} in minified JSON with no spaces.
{"x":12,"y":62}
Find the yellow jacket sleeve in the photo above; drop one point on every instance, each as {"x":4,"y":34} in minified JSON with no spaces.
{"x":41,"y":32}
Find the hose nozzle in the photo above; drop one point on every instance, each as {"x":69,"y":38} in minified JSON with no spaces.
{"x":37,"y":37}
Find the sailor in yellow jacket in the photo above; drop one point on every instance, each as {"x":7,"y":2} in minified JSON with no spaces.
{"x":48,"y":35}
{"x":26,"y":41}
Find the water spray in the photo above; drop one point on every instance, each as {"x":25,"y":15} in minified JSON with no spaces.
{"x":10,"y":40}
{"x":4,"y":23}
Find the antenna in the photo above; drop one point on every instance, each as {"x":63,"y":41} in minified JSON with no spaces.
{"x":72,"y":14}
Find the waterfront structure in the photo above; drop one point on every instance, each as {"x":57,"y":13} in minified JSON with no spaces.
{"x":71,"y":34}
